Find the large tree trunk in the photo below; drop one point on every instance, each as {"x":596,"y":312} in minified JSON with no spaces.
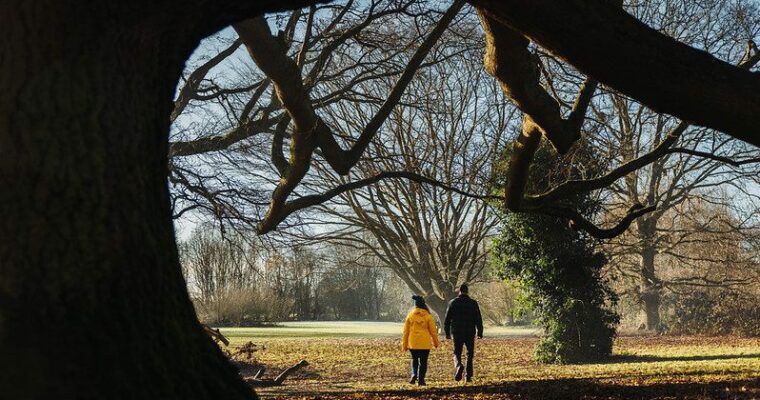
{"x":438,"y":306}
{"x":92,"y":300}
{"x":650,"y":291}
{"x":650,"y":287}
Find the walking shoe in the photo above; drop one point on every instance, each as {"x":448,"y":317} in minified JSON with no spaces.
{"x":468,"y":379}
{"x":413,"y":380}
{"x":422,"y":383}
{"x":458,"y":375}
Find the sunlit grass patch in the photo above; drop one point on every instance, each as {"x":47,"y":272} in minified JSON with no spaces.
{"x":346,"y":329}
{"x":371,"y":361}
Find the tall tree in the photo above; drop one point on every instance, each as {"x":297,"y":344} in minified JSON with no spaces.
{"x":558,"y":270}
{"x":449,"y":128}
{"x":695,"y":163}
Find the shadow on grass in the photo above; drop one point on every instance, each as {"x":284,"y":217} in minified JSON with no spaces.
{"x":630,"y":358}
{"x":568,"y":389}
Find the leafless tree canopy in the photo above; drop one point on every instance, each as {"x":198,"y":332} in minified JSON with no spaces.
{"x":416,"y":179}
{"x":450,"y":128}
{"x":359,"y":61}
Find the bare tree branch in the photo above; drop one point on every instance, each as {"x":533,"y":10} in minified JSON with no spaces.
{"x":310,"y":131}
{"x":193,"y":81}
{"x":639,"y":61}
{"x":577,"y":220}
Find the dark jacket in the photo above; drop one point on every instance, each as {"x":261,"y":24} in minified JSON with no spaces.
{"x":463,"y":318}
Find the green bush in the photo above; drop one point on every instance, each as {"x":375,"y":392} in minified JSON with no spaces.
{"x":559,"y":275}
{"x":555,"y":267}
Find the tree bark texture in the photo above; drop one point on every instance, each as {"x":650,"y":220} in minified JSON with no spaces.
{"x":650,"y":287}
{"x":92,"y":300}
{"x":438,"y":306}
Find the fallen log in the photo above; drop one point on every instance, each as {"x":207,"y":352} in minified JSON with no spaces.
{"x":216,"y":334}
{"x":257,"y":382}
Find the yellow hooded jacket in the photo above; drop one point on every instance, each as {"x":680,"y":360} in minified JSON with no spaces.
{"x":420,"y":332}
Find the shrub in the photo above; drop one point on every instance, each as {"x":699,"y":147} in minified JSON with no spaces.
{"x":715,"y":312}
{"x":558,"y":273}
{"x":242,"y":307}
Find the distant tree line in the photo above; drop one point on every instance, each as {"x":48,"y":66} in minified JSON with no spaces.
{"x":236,"y":281}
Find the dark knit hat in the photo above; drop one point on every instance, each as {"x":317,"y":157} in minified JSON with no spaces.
{"x":419,"y":301}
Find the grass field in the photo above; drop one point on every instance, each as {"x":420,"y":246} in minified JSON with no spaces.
{"x":362,"y":360}
{"x":346,"y":329}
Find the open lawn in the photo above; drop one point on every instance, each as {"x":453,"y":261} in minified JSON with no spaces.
{"x":346,"y":329}
{"x":362,"y":360}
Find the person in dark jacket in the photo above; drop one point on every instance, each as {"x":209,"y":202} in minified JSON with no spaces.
{"x":463,"y":322}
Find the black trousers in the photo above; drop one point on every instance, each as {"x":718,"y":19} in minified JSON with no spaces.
{"x":419,"y":363}
{"x":459,"y":343}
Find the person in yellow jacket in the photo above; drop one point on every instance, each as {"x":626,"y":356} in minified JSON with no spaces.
{"x":420,"y":335}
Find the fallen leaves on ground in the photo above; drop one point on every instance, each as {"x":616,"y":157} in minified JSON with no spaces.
{"x":644,"y":367}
